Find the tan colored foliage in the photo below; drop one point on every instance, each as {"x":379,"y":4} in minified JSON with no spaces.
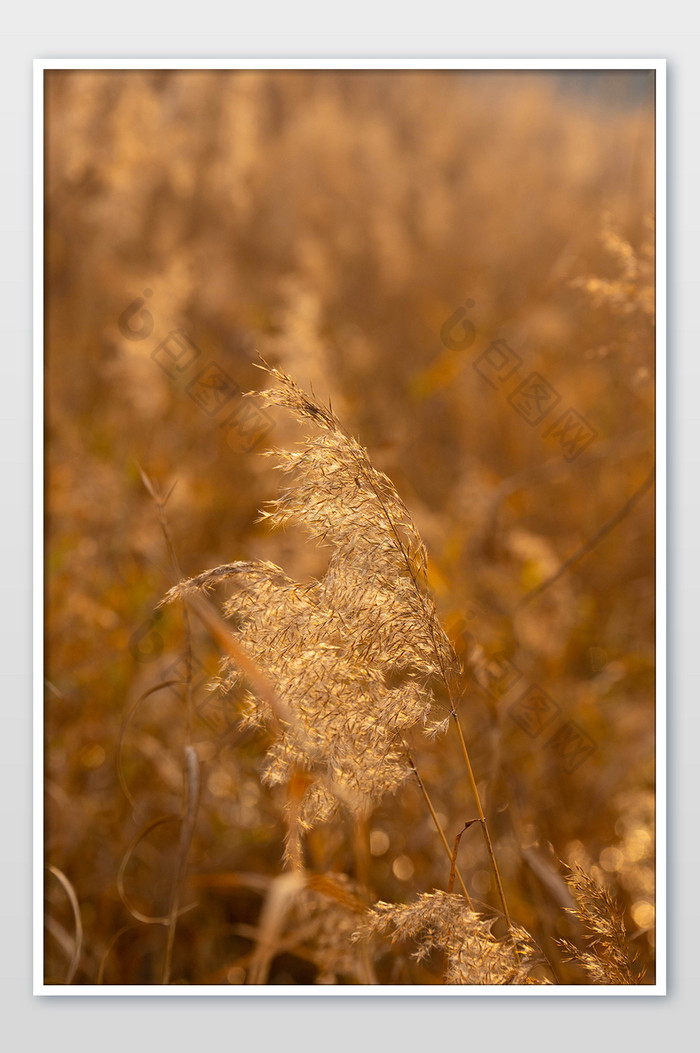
{"x":337,"y":222}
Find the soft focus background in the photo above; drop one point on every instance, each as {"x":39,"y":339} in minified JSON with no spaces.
{"x":373,"y":234}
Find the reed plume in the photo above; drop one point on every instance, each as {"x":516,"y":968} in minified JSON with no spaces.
{"x":440,"y":921}
{"x":608,"y":957}
{"x":355,"y":656}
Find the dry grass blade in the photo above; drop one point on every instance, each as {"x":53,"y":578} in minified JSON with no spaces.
{"x":131,"y":927}
{"x":438,"y":826}
{"x":146,"y":919}
{"x":160,"y":500}
{"x":191,"y":804}
{"x":122,"y":732}
{"x":278,"y":902}
{"x":591,"y":543}
{"x":228,"y":643}
{"x":314,"y":917}
{"x":453,"y":864}
{"x":75,"y":907}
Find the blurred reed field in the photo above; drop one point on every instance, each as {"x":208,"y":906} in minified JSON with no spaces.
{"x":461,"y":265}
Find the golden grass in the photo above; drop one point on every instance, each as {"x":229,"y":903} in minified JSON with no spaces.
{"x":333,"y":222}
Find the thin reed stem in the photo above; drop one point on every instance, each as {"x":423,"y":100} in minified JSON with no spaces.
{"x":160,"y":500}
{"x":438,"y":825}
{"x":190,"y":806}
{"x":446,"y":681}
{"x":482,"y":820}
{"x":362,"y":852}
{"x":361,"y":846}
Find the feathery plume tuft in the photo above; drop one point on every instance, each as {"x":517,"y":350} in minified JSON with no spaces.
{"x":354,"y":656}
{"x":609,"y":958}
{"x":444,"y":922}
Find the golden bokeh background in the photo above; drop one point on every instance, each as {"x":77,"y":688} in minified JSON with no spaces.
{"x":394,"y":239}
